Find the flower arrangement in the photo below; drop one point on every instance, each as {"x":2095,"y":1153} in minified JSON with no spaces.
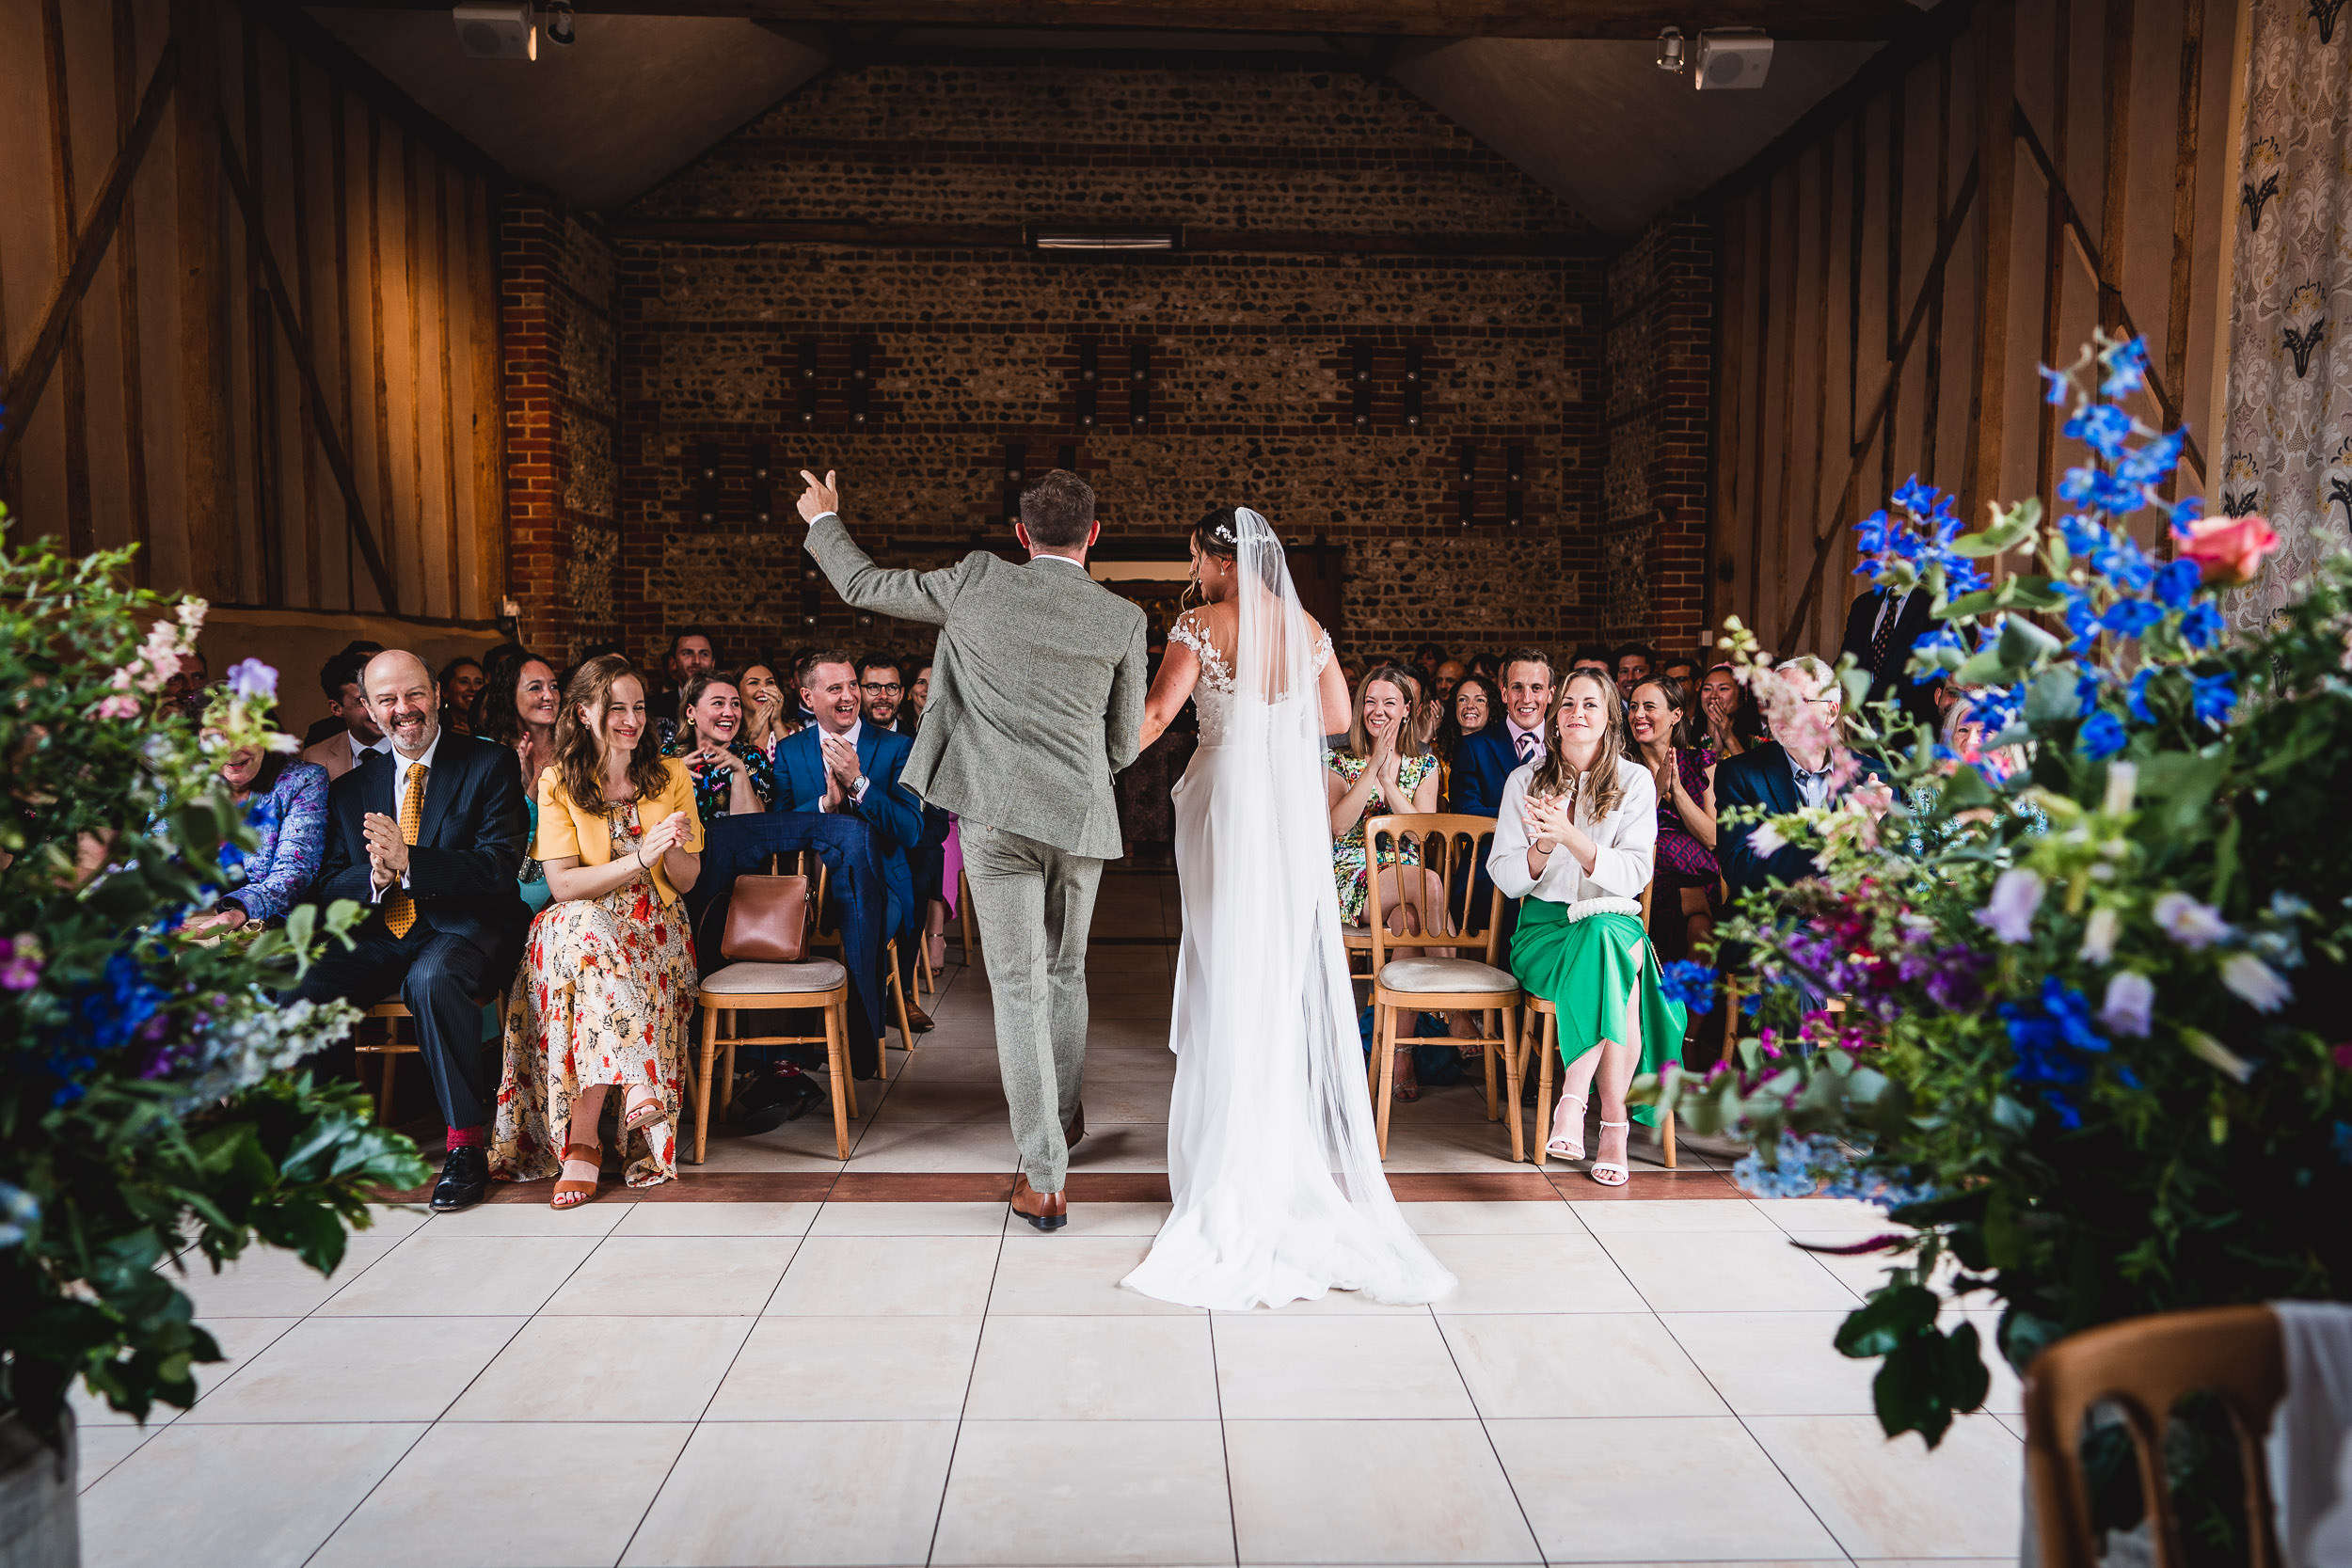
{"x":149,"y":1113}
{"x":2066,"y":996}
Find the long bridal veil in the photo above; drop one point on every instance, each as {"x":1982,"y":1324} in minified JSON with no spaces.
{"x":1273,"y":1162}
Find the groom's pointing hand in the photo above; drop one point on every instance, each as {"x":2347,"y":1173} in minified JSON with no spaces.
{"x":820,"y":497}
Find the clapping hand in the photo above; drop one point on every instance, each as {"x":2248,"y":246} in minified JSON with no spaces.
{"x":1548,"y":820}
{"x":820,"y":497}
{"x":666,"y":834}
{"x":841,"y":764}
{"x":1384,"y":763}
{"x":710,"y":756}
{"x":388,"y":852}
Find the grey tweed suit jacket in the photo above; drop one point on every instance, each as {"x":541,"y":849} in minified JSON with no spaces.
{"x":1037,"y":687}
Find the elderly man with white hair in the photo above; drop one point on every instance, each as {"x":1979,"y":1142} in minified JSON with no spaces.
{"x":431,"y":838}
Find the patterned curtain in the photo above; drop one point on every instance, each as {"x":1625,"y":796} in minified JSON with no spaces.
{"x":2290,"y":379}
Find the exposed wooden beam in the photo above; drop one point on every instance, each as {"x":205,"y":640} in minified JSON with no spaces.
{"x":126,"y":102}
{"x":2185,"y":150}
{"x":207,"y":477}
{"x":298,"y":347}
{"x":31,"y":373}
{"x":1586,"y":19}
{"x":71,"y":384}
{"x":941,"y":236}
{"x":1996,"y":163}
{"x":305,"y":33}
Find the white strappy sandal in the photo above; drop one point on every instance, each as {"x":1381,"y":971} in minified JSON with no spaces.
{"x":1600,"y":1167}
{"x":1568,"y":1136}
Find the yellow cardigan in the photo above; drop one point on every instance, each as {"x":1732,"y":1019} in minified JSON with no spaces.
{"x":567,"y":832}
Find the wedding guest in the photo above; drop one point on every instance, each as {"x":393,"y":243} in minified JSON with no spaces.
{"x":333,"y":724}
{"x":1485,"y":761}
{"x":692,"y":653}
{"x":1593,"y":656}
{"x":1449,"y":675}
{"x":1483,"y":666}
{"x":608,"y":985}
{"x":1684,"y":887}
{"x":357,"y":737}
{"x":189,"y":687}
{"x":431,"y":837}
{"x":1730,"y":722}
{"x":1880,"y":627}
{"x":1424,"y":666}
{"x":517,"y":709}
{"x":1574,"y":841}
{"x":767,"y":718}
{"x":842,"y":764}
{"x":729,"y":781}
{"x":878,"y":682}
{"x":284,"y":800}
{"x":1681,"y":669}
{"x":1631,"y":665}
{"x":1781,"y":775}
{"x":1469,"y":708}
{"x":461,"y":682}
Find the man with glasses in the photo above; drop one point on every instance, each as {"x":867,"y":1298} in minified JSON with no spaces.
{"x":882,"y":692}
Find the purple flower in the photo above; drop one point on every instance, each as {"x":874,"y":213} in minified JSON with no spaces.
{"x":252,"y":681}
{"x":2100,"y":736}
{"x":2193,"y":924}
{"x":2009,"y":914}
{"x":2129,"y":998}
{"x":20,"y":963}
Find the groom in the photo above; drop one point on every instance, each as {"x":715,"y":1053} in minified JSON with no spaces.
{"x":1037,"y":699}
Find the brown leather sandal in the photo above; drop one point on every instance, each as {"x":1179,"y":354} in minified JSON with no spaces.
{"x":571,"y":1194}
{"x":643,"y":1114}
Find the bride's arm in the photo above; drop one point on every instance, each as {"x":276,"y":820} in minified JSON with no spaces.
{"x":1179,"y":669}
{"x":1331,"y":688}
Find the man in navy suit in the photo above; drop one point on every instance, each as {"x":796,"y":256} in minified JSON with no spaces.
{"x":842,"y":764}
{"x":1485,"y":760}
{"x":1880,"y":627}
{"x":431,"y":835}
{"x":1780,"y":779}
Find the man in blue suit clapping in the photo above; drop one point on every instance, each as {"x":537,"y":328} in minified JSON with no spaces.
{"x":841,"y":764}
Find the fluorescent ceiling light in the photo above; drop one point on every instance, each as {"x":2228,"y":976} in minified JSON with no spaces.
{"x":1061,"y":237}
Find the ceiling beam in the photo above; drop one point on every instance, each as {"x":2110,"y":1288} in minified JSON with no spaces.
{"x":1544,"y":19}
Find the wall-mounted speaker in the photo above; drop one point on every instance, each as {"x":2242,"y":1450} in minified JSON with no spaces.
{"x":497,"y":29}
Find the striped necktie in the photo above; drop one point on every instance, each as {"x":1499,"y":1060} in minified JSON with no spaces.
{"x":400,"y":911}
{"x":1529,"y":748}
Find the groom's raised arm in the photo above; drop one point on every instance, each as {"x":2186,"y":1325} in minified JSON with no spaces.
{"x":895,"y":592}
{"x":1123,"y":723}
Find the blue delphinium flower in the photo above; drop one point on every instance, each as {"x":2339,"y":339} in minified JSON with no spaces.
{"x":20,"y":1211}
{"x":2083,"y":536}
{"x":2202,"y":626}
{"x":2102,"y":735}
{"x":2050,"y":1035}
{"x":2102,"y":427}
{"x":2153,"y":460}
{"x":1690,"y":984}
{"x":2056,"y":385}
{"x":2188,"y":508}
{"x":2130,"y":617}
{"x":1874,"y":537}
{"x":2212,"y":697}
{"x":2127,"y":368}
{"x":2122,"y":563}
{"x":2177,"y":584}
{"x":2136,"y":695}
{"x":1917,"y":497}
{"x":2089,"y":682}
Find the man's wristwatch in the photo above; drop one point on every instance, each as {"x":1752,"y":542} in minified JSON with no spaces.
{"x":857,"y":787}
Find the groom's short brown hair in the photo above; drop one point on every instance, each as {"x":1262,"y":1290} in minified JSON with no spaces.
{"x":1057,"y":509}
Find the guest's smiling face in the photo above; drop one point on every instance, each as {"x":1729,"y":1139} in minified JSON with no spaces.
{"x":1648,"y":717}
{"x":623,"y":719}
{"x":1584,"y":712}
{"x":831,"y":694}
{"x":402,"y":698}
{"x":536,"y":701}
{"x":718,"y":713}
{"x":760,"y":691}
{"x":1719,"y":693}
{"x":1527,"y":692}
{"x":1471,"y":708}
{"x":1384,"y":707}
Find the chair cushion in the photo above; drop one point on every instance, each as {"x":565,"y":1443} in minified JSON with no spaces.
{"x":757,"y":979}
{"x":1451,"y":976}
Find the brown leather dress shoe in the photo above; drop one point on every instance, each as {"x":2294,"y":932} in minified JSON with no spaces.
{"x":919,"y":1020}
{"x":1077,"y":1128}
{"x":1046,"y":1210}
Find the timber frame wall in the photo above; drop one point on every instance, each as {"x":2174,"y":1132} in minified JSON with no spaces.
{"x":248,"y":312}
{"x":1893,"y":270}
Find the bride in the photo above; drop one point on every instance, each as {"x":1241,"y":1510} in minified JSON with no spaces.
{"x":1271,"y":1159}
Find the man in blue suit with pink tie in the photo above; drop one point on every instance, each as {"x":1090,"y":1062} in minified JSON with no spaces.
{"x":841,"y":764}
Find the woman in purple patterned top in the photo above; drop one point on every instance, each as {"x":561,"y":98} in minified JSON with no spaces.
{"x":1686,"y":886}
{"x":285,"y":803}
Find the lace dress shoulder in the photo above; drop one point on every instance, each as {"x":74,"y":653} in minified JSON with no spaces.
{"x":1192,"y":630}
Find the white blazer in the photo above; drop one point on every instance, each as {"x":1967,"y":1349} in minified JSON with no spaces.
{"x":1628,"y":837}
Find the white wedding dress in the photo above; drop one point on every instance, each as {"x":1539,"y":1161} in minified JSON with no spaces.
{"x":1272,"y":1159}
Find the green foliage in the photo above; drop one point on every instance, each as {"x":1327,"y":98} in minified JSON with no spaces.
{"x":151,"y":1116}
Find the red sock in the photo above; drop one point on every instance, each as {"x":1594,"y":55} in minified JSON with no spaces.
{"x":468,"y":1137}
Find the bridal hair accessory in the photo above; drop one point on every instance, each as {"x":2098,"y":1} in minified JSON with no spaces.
{"x":1222,"y":532}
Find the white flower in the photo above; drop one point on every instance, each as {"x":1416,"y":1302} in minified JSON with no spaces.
{"x":2128,"y":1000}
{"x":2099,"y":936}
{"x":2193,"y":924}
{"x":1766,"y":840}
{"x":2015,"y":897}
{"x":2256,"y":981}
{"x":2122,"y":782}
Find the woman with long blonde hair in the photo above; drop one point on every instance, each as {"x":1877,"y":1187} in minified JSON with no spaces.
{"x":607,"y":981}
{"x":1576,"y":836}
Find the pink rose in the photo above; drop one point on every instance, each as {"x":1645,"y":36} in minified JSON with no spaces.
{"x":2229,"y":549}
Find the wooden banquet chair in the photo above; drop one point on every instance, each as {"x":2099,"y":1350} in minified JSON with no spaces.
{"x":1542,"y":1007}
{"x":391,"y":1047}
{"x":826,"y":937}
{"x":1403,"y":980}
{"x":2142,"y":1366}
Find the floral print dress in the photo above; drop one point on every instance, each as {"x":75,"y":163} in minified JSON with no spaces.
{"x":605,"y":995}
{"x":1347,"y":853}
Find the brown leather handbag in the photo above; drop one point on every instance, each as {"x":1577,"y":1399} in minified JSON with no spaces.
{"x":767,"y":919}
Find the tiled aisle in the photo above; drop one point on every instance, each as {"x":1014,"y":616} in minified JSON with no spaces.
{"x":1619,"y":1379}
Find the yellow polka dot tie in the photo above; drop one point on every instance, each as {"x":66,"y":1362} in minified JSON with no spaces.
{"x":400,"y":911}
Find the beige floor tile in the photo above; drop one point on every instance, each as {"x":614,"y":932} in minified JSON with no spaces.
{"x":862,"y":1369}
{"x":609,"y":1369}
{"x":1075,"y":1276}
{"x":934,"y":1147}
{"x":1455,"y":1103}
{"x":360,"y":1370}
{"x":911,"y":1219}
{"x":1897,"y":1498}
{"x":1776,"y":1363}
{"x":269,"y":1282}
{"x":1724,"y":1272}
{"x":1655,"y":1490}
{"x":888,"y":1276}
{"x":1086,"y":1492}
{"x":293,"y":1484}
{"x":240,"y":1339}
{"x":98,"y":1449}
{"x":715,"y":1219}
{"x":726,"y":1276}
{"x":1678,"y":1214}
{"x":1564,"y":1273}
{"x":1327,"y":1491}
{"x":1093,"y":1219}
{"x":1083,"y":1369}
{"x":1122,"y":1147}
{"x":392,"y":1221}
{"x":1495,"y":1219}
{"x":454,"y":1498}
{"x":943,"y":1099}
{"x":1571,"y":1364}
{"x":1131,"y":1098}
{"x":1935,"y":1562}
{"x":529,"y":1219}
{"x":2013,"y":1424}
{"x":1863,"y":1271}
{"x":453,"y":1276}
{"x":1824,"y":1213}
{"x":837,"y":1493}
{"x":1275,"y":1366}
{"x":802,"y":1148}
{"x":937,"y":1063}
{"x":1450,"y":1146}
